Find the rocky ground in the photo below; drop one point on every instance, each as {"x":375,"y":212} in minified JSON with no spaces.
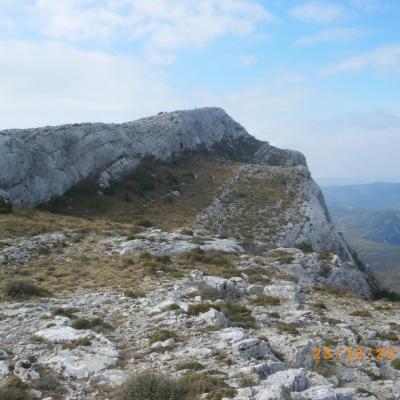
{"x":274,"y":326}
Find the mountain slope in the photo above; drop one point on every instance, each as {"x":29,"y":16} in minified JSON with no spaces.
{"x":217,"y":267}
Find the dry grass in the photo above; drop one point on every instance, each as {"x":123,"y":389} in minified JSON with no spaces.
{"x":209,"y":262}
{"x":144,"y":196}
{"x":255,"y":207}
{"x":264,"y":301}
{"x":87,"y":218}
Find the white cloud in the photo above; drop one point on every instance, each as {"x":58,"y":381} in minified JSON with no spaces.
{"x":363,"y":145}
{"x":60,"y":84}
{"x":333,"y":36}
{"x":164,"y":26}
{"x":6,"y":23}
{"x":320,"y":11}
{"x":246,"y":59}
{"x":384,"y":60}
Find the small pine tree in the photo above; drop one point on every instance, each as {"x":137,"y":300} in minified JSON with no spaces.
{"x":5,"y":206}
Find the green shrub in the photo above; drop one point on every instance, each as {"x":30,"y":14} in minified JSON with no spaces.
{"x":237,"y":314}
{"x":76,"y":343}
{"x":145,"y":223}
{"x":49,"y":383}
{"x":325,"y":270}
{"x":388,"y":336}
{"x":199,"y":383}
{"x":361,"y":313}
{"x":199,"y":308}
{"x":264,"y":300}
{"x":285,"y":258}
{"x":23,"y":289}
{"x":284,"y":327}
{"x":5,"y":206}
{"x":134,"y":294}
{"x":14,"y":394}
{"x":193,"y":365}
{"x":65,"y":312}
{"x":386,"y":294}
{"x":149,"y":386}
{"x":304,"y":247}
{"x":319,"y":306}
{"x":96,"y":324}
{"x":162,"y":335}
{"x":219,"y":394}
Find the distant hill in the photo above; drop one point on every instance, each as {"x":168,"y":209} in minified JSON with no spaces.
{"x":382,"y":226}
{"x":369,"y":217}
{"x":373,"y":196}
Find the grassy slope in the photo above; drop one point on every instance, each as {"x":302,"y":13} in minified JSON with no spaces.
{"x":89,"y":218}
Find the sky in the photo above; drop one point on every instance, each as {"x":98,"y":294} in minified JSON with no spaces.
{"x":319,"y":76}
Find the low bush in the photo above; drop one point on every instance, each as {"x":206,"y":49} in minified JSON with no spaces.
{"x":14,"y":394}
{"x":145,"y":223}
{"x":150,"y":386}
{"x":386,"y":294}
{"x":198,"y":383}
{"x":192,"y":365}
{"x":264,"y":300}
{"x":325,"y":271}
{"x":97,"y":324}
{"x":304,"y":247}
{"x":65,"y":312}
{"x":162,"y":335}
{"x":238,"y":314}
{"x":134,"y":294}
{"x":23,"y":289}
{"x":50,"y":384}
{"x":199,"y":308}
{"x":361,"y":313}
{"x":76,"y":343}
{"x":5,"y":206}
{"x":284,"y":327}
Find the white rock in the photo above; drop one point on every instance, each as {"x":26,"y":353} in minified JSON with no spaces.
{"x":36,"y":394}
{"x":275,"y":387}
{"x":211,"y":318}
{"x":4,"y":369}
{"x":255,"y":289}
{"x":112,"y":377}
{"x":252,"y":348}
{"x":24,"y":371}
{"x":64,"y":334}
{"x":84,"y":361}
{"x":162,"y":345}
{"x":286,"y":292}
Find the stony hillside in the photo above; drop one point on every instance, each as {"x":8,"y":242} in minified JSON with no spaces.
{"x":179,"y":258}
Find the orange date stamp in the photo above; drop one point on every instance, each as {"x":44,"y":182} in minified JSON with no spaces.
{"x":355,"y":353}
